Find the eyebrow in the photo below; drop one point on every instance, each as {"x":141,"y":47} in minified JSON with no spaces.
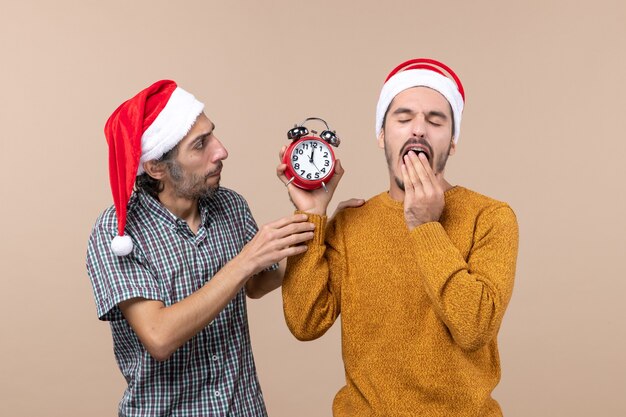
{"x":203,"y":136}
{"x":402,"y":110}
{"x":436,"y":113}
{"x":432,"y":113}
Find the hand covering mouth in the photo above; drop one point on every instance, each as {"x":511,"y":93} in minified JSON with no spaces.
{"x":417,"y":147}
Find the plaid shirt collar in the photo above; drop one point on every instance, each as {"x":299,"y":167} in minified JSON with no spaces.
{"x":166,"y":217}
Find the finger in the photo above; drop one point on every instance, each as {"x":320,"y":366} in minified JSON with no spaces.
{"x":411,"y":172}
{"x":353,"y":202}
{"x":280,"y":173}
{"x":339,"y":168}
{"x":438,"y":181}
{"x":281,"y":153}
{"x":294,"y":228}
{"x":294,"y":239}
{"x":292,"y":251}
{"x":418,"y":164}
{"x":427,"y":168}
{"x":280,"y":223}
{"x":436,"y":178}
{"x":334,"y":181}
{"x":409,"y":190}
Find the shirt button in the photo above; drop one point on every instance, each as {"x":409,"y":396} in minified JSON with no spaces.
{"x":217,"y":393}
{"x":214,"y":357}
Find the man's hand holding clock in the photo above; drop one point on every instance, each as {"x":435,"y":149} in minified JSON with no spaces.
{"x":309,"y":168}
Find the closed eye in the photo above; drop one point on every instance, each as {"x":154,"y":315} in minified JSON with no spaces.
{"x":201,"y":141}
{"x":403,"y":115}
{"x":436,"y":118}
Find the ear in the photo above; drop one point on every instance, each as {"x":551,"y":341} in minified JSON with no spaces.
{"x":154,"y":169}
{"x":381,"y":139}
{"x":452,"y":150}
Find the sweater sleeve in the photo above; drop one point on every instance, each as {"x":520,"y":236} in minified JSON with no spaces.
{"x":470,"y":297}
{"x":312,"y":283}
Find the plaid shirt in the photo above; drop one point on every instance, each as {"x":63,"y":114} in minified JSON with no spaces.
{"x":213,"y":374}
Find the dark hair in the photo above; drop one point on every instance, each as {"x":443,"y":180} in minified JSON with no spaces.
{"x":387,"y":111}
{"x":152,"y":186}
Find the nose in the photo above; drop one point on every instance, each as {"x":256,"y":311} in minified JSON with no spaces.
{"x":418,"y":128}
{"x":219,"y":152}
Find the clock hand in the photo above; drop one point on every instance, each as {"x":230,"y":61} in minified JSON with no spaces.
{"x":318,"y":170}
{"x":311,"y":157}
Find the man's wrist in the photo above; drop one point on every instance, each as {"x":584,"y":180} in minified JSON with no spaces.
{"x":244,"y":266}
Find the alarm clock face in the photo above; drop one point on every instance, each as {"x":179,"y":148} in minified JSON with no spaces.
{"x":312,"y":160}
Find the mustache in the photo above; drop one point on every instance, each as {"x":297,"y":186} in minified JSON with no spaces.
{"x":414,"y":141}
{"x":217,"y":169}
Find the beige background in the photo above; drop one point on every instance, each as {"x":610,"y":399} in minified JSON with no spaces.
{"x":543,"y":130}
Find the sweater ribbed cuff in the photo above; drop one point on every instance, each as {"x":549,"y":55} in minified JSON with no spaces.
{"x":431,"y":236}
{"x":319,"y":233}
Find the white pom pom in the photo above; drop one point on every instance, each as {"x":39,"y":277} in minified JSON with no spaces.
{"x":122,"y":245}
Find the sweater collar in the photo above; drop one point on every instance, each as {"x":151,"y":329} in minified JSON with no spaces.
{"x":399,"y":205}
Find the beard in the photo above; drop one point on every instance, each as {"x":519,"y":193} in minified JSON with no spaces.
{"x":192,"y":186}
{"x":441,"y":163}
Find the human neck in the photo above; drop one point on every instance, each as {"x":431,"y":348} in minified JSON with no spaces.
{"x":183,"y":208}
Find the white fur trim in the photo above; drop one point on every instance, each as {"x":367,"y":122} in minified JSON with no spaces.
{"x":420,"y":78}
{"x":170,"y":126}
{"x":122,"y":245}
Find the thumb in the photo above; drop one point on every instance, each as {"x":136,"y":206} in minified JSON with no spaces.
{"x":339,"y":171}
{"x":338,"y":168}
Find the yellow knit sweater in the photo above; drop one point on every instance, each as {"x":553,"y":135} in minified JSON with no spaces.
{"x":420,"y":310}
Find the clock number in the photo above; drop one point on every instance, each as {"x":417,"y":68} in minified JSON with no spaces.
{"x":326,"y":163}
{"x":323,"y":170}
{"x":308,"y":176}
{"x":296,"y":166}
{"x":325,"y":154}
{"x":294,"y":158}
{"x":317,"y":175}
{"x":314,"y":145}
{"x":301,"y":172}
{"x":299,"y":151}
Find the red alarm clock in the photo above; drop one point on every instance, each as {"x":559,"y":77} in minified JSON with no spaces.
{"x":310,"y":160}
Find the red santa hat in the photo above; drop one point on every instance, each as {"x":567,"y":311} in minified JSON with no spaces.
{"x":427,"y":73}
{"x":144,"y":128}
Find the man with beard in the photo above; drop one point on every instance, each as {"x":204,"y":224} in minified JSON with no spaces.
{"x":421,"y":274}
{"x":172,"y":261}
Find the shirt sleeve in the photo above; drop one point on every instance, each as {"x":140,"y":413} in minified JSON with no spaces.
{"x":117,"y":278}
